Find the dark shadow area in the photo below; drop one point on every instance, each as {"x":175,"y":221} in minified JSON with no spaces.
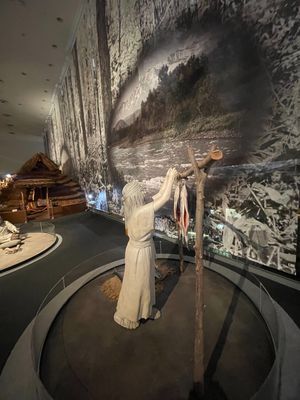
{"x":287,"y":297}
{"x":69,"y":376}
{"x":213,"y":392}
{"x":212,"y":388}
{"x":169,"y":284}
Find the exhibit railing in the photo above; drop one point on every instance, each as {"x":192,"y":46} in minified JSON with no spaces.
{"x":91,"y":268}
{"x":38,"y":227}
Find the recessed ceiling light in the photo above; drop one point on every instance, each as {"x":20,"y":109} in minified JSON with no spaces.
{"x":6,"y":115}
{"x":45,"y":91}
{"x":47,"y":79}
{"x":23,"y":34}
{"x":59,"y":19}
{"x":54,"y":46}
{"x":20,"y":104}
{"x":11,"y":133}
{"x":23,"y":73}
{"x":43,"y":100}
{"x":50,"y":65}
{"x":3,"y":101}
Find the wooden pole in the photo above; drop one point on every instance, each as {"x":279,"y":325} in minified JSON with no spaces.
{"x":24,"y":206}
{"x":180,"y":243}
{"x":47,"y":202}
{"x":180,"y":249}
{"x":51,"y":206}
{"x":200,"y":177}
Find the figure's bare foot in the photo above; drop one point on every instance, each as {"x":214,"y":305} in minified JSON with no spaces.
{"x":155,"y":313}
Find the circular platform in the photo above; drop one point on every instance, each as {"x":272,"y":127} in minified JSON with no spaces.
{"x":87,"y":355}
{"x":34,"y":244}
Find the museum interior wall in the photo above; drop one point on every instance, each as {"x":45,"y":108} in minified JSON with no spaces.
{"x":146,"y":79}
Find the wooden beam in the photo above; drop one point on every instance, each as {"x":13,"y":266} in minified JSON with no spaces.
{"x":200,"y":176}
{"x":200,"y":170}
{"x":213,"y":155}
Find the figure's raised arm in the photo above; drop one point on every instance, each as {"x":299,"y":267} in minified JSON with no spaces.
{"x":163,"y":186}
{"x":164,"y":194}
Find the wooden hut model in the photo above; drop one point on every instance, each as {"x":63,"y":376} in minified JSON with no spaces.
{"x":40,"y":191}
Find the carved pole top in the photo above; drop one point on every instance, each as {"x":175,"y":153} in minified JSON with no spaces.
{"x":214,"y":155}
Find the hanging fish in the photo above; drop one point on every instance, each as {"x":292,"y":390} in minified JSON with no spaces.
{"x":184,"y":213}
{"x":176,"y":207}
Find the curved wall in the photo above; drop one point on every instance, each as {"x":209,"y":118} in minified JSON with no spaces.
{"x":147,"y":79}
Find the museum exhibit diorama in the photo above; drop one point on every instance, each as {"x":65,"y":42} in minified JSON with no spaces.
{"x":164,"y":205}
{"x":18,"y":245}
{"x":39,"y":191}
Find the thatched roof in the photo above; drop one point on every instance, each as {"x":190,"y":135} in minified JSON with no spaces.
{"x":38,"y":164}
{"x":40,"y":172}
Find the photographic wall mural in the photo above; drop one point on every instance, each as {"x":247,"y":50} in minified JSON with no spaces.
{"x":147,"y":79}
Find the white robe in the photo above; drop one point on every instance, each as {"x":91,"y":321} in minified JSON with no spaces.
{"x":137,"y":295}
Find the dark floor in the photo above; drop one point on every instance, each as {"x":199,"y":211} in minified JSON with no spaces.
{"x":84,"y":235}
{"x":88,"y":356}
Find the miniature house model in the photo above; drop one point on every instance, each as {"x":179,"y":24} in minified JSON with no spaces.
{"x":40,"y":191}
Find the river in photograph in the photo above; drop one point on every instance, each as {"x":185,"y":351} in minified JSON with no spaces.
{"x":149,"y":162}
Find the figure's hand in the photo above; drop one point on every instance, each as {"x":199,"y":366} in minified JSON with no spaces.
{"x":165,"y":192}
{"x":169,"y":172}
{"x":173,"y":173}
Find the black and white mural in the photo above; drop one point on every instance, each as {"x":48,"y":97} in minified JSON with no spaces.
{"x":147,"y":79}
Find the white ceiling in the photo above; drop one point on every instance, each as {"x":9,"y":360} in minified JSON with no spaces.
{"x":35,"y":38}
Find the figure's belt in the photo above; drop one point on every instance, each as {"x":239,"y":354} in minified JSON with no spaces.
{"x":141,"y":244}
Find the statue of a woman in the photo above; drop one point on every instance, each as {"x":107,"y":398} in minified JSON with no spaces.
{"x":137,"y":296}
{"x":9,"y":234}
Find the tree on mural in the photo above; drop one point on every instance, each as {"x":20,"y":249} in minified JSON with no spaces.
{"x":257,"y":212}
{"x":182,"y":95}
